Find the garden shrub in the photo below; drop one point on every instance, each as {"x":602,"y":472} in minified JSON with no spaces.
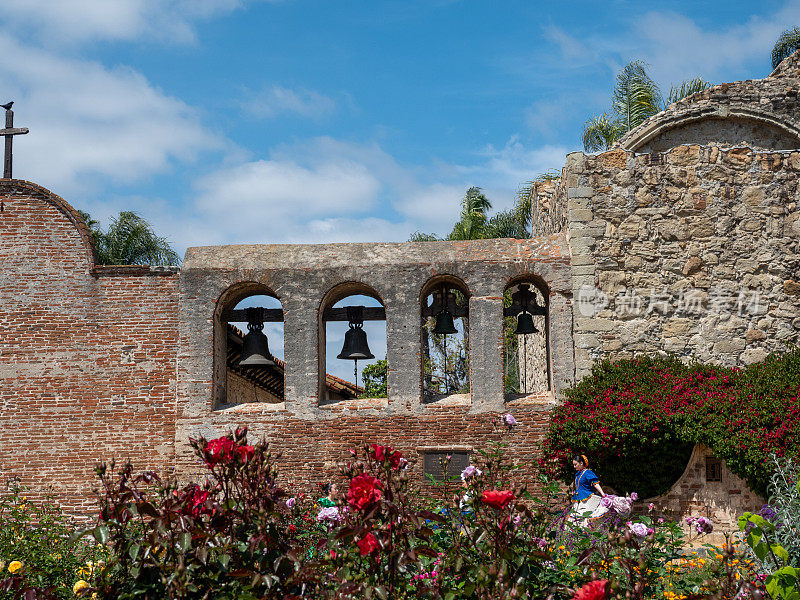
{"x":236,"y":534}
{"x":638,"y":419}
{"x":37,"y":554}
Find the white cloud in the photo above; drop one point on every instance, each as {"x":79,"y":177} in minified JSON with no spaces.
{"x":71,"y":21}
{"x":279,"y":100}
{"x":273,"y":189}
{"x":326,"y":190}
{"x":89,"y":122}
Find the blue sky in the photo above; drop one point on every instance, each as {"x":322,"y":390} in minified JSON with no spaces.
{"x":235,"y":121}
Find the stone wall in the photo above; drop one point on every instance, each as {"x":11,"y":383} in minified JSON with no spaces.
{"x":763,"y":114}
{"x":721,"y":501}
{"x":119,"y":362}
{"x":694,"y":251}
{"x":87,"y":353}
{"x":311,"y":435}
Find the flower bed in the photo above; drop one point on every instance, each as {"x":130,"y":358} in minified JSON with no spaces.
{"x":239,"y":534}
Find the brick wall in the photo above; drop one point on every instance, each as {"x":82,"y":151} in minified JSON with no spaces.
{"x":314,"y":437}
{"x":87,"y":354}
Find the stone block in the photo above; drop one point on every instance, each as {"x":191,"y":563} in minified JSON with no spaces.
{"x":581,"y":215}
{"x":580,"y":192}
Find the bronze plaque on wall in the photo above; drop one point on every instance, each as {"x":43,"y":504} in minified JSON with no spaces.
{"x":434,"y":464}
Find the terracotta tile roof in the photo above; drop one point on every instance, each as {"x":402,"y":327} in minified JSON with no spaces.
{"x":270,"y":379}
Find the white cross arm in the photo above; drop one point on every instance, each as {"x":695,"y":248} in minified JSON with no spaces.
{"x":14,"y":131}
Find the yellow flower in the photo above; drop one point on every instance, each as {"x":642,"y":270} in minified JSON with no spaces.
{"x":80,"y":587}
{"x":14,"y":566}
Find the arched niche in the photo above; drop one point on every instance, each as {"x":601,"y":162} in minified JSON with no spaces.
{"x":351,"y":306}
{"x":526,"y":340}
{"x":444,"y":360}
{"x":241,"y":308}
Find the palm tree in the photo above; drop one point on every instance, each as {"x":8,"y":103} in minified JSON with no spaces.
{"x":600,"y":132}
{"x":787,"y":43}
{"x":129,"y":240}
{"x":472,"y":224}
{"x":687,"y":88}
{"x":636,"y":97}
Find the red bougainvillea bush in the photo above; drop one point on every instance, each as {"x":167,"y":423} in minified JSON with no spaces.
{"x":639,"y":419}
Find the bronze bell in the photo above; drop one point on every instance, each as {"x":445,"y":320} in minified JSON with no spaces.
{"x":255,"y":348}
{"x":355,"y":339}
{"x":355,"y":344}
{"x":525,"y":324}
{"x":444,"y":323}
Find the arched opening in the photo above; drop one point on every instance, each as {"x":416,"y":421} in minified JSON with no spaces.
{"x":445,"y":338}
{"x":526,"y":347}
{"x":249,"y":343}
{"x":352,"y":344}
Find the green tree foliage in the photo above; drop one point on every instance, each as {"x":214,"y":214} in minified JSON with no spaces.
{"x":129,"y":240}
{"x":635,"y":98}
{"x":374,"y":378}
{"x":475,"y":224}
{"x":787,"y":43}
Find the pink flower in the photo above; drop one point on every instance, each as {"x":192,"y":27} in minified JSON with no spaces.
{"x":469,"y":471}
{"x":290,"y":503}
{"x":509,"y":420}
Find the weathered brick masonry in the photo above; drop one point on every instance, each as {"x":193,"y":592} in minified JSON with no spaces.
{"x":118,"y":362}
{"x":314,"y":437}
{"x":102,"y":362}
{"x":88,"y":353}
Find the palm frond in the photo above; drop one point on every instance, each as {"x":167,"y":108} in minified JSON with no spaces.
{"x":787,"y":43}
{"x":418,"y":236}
{"x":636,"y":96}
{"x":600,"y":132}
{"x":131,"y":241}
{"x":687,"y":88}
{"x":507,"y":224}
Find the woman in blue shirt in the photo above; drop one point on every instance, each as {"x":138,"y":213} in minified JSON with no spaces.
{"x":587,"y":493}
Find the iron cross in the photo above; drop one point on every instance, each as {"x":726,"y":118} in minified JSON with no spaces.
{"x":9,"y":132}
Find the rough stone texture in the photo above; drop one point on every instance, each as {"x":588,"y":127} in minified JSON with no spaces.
{"x":87,"y":359}
{"x":313,"y":436}
{"x":762,"y":114}
{"x":694,"y":249}
{"x":721,"y":501}
{"x":547,"y":214}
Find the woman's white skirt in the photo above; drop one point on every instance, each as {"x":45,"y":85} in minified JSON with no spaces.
{"x":586,"y":511}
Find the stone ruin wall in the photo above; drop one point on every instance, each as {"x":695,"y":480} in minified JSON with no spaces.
{"x":762,"y":114}
{"x":721,"y":501}
{"x":695,"y":251}
{"x":117,"y":362}
{"x":313,"y":437}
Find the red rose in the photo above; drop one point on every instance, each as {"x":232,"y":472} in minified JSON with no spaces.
{"x":245,"y":452}
{"x":364,"y":491}
{"x":368,"y":544}
{"x":594,"y":590}
{"x":382,"y":453}
{"x":219,"y":449}
{"x":378,"y":451}
{"x":195,"y":501}
{"x":497,"y":498}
